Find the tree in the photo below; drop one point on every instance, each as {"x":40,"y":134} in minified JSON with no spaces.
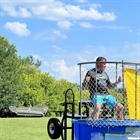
{"x":29,"y":60}
{"x":56,"y":96}
{"x":10,"y":81}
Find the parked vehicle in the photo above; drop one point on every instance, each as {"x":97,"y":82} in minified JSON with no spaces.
{"x":13,"y":111}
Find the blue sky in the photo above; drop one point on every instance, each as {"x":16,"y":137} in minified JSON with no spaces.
{"x":63,"y":33}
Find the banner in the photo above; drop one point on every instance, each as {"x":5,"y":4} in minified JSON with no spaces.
{"x":132,"y":82}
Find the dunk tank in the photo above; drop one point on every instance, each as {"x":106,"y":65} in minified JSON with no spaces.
{"x":107,"y":127}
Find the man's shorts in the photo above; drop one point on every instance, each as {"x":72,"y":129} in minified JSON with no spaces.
{"x":100,"y":99}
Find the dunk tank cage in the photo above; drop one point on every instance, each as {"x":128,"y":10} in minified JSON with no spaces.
{"x":107,"y":127}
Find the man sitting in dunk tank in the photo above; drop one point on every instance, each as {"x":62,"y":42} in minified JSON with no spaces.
{"x":97,"y":81}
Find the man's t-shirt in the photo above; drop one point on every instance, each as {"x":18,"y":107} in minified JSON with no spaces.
{"x":99,"y":82}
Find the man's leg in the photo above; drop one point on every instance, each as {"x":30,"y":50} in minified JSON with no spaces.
{"x":97,"y":101}
{"x":119,"y":108}
{"x":111,"y":101}
{"x":96,"y":112}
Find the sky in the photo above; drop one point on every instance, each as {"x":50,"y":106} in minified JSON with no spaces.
{"x":63,"y":33}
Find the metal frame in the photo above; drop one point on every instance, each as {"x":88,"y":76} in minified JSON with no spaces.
{"x":66,"y":116}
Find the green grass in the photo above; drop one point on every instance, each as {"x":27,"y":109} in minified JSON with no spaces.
{"x":26,"y":129}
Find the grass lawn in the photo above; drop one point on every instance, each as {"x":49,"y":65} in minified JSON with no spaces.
{"x":26,"y":129}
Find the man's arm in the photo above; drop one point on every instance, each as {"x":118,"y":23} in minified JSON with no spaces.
{"x":112,"y":85}
{"x":86,"y":80}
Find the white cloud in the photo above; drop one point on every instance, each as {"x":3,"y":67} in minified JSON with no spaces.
{"x":88,"y":52}
{"x":54,"y":10}
{"x":17,"y":28}
{"x":21,"y":13}
{"x":64,"y":24}
{"x":81,"y":1}
{"x":59,"y":34}
{"x":63,"y":71}
{"x":81,"y":59}
{"x":113,"y":27}
{"x":134,"y":56}
{"x":86,"y":25}
{"x":15,"y":10}
{"x":75,"y":12}
{"x":44,"y":63}
{"x":56,"y":48}
{"x":50,"y":35}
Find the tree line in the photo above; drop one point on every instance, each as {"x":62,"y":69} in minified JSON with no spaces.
{"x":23,"y":84}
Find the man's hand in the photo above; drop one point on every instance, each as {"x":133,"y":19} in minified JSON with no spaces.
{"x":86,"y":80}
{"x":120,"y":79}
